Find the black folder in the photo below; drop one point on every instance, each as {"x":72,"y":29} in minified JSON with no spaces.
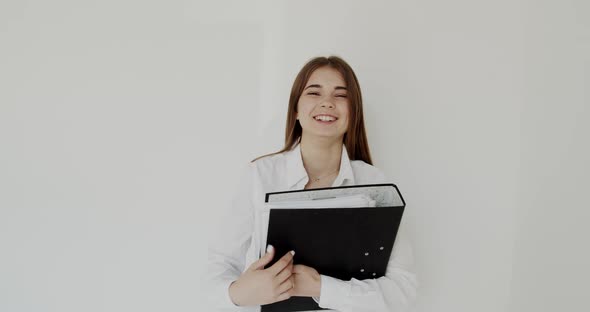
{"x":343,"y":243}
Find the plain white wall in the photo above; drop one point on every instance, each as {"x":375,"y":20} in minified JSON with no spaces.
{"x":123,"y":124}
{"x":551,"y":254}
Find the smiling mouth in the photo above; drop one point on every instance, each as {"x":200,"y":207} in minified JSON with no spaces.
{"x":325,"y":118}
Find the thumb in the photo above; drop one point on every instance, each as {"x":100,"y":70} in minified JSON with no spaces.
{"x":264,"y":260}
{"x":298,"y":269}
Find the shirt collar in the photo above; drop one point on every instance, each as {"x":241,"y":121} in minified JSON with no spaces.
{"x":297,"y":176}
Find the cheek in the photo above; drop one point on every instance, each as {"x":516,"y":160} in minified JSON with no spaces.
{"x":303,"y":107}
{"x":345,"y":110}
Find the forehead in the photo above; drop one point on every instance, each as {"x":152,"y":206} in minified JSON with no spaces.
{"x":326,"y":77}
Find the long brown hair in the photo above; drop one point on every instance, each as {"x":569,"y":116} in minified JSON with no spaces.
{"x":355,"y":138}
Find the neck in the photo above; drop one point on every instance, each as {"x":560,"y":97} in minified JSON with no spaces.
{"x":321,"y":156}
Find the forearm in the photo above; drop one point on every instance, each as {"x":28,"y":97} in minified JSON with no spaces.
{"x":395,"y":292}
{"x":220,"y":275}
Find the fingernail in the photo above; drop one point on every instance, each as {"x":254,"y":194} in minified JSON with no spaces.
{"x":292,"y":252}
{"x":269,"y":248}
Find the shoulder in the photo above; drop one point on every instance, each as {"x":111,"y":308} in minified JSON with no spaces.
{"x":269,"y":169}
{"x":367,"y":174}
{"x":267,"y":163}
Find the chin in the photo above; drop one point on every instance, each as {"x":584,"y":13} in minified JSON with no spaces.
{"x":326,"y":135}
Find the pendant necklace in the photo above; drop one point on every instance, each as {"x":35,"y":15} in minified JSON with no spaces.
{"x":319,"y":178}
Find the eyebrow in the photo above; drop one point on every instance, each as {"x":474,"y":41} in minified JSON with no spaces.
{"x":319,"y":86}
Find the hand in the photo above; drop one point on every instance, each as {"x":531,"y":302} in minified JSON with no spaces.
{"x":307,"y":281}
{"x":258,"y":286}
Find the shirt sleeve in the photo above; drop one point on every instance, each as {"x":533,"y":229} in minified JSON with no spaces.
{"x":395,"y":291}
{"x":229,"y":244}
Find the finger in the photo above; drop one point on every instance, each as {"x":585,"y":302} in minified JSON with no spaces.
{"x":282,"y":263}
{"x":264,"y":260}
{"x":298,"y":269}
{"x":287,"y":285}
{"x":285,"y":273}
{"x":286,"y":295}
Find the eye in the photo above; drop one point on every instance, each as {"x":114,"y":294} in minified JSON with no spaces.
{"x":313,"y":93}
{"x":341,"y":95}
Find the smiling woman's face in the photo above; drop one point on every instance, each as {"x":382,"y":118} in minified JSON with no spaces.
{"x":323,"y":107}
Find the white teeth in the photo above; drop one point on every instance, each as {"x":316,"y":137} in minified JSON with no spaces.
{"x":325,"y":118}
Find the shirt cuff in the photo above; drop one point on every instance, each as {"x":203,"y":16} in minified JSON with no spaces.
{"x":227,"y":302}
{"x":333,"y":293}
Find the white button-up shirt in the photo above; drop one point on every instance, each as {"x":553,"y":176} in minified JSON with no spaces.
{"x":237,"y":242}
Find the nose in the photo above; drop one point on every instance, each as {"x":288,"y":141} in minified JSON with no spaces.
{"x":327,"y":104}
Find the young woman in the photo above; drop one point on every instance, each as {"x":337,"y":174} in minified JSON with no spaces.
{"x":325,"y":145}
